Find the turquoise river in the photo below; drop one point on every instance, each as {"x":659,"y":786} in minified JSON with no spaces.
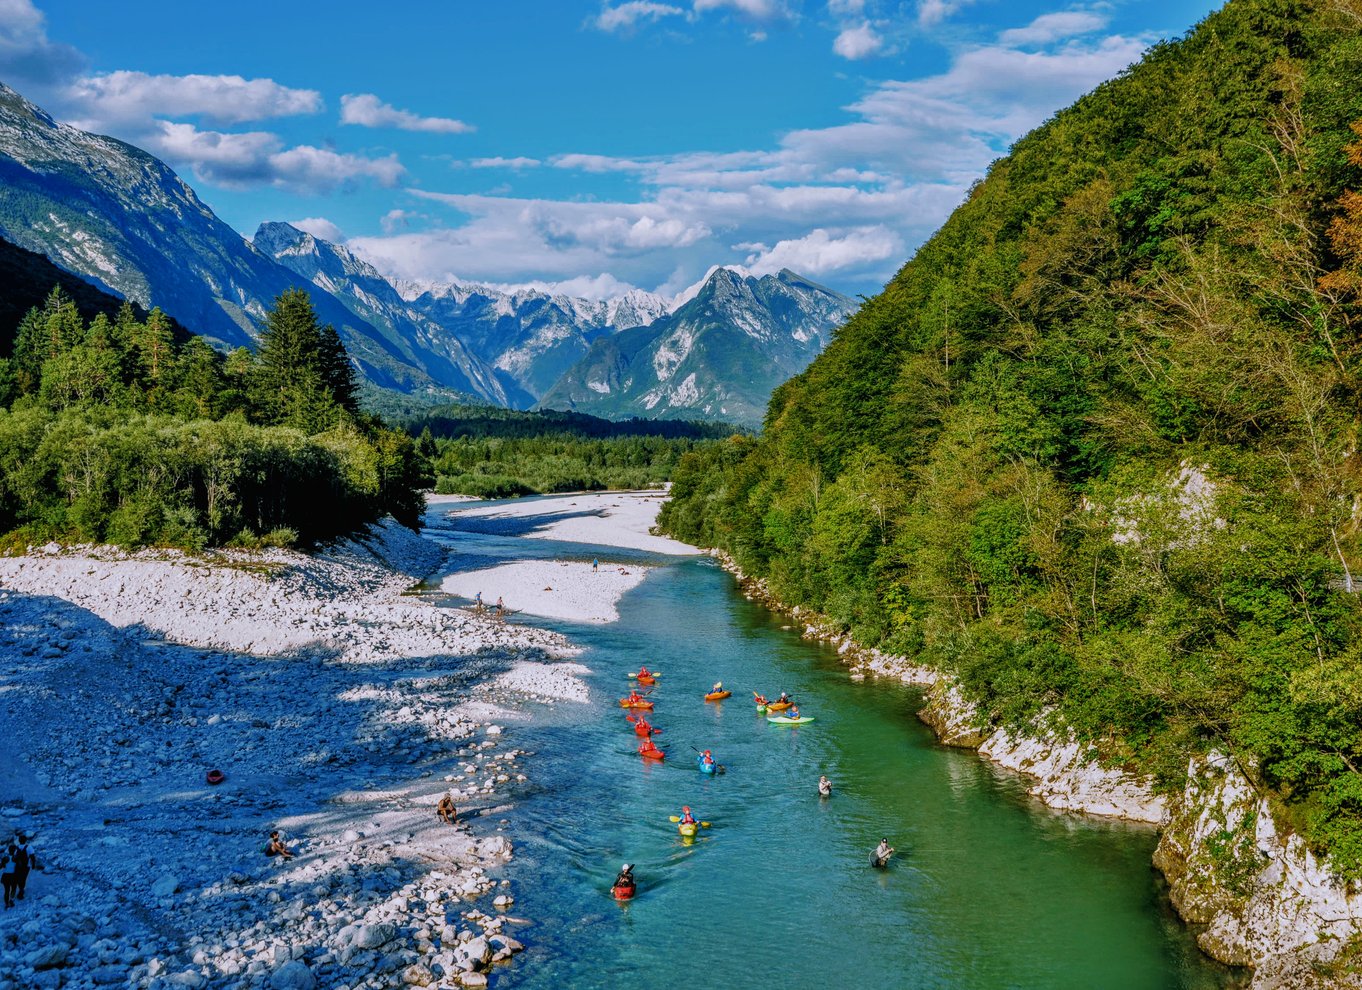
{"x":989,"y":890}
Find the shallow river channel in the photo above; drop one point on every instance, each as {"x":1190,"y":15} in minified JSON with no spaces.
{"x":989,"y":889}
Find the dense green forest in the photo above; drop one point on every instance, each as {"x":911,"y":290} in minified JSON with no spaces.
{"x":113,"y":431}
{"x":499,"y":453}
{"x":1094,"y":449}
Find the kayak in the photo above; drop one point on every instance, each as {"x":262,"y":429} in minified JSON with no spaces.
{"x":782,"y":720}
{"x":688,"y":829}
{"x":707,"y":767}
{"x":651,"y":754}
{"x":778,"y":706}
{"x":626,"y":703}
{"x":761,"y":709}
{"x":647,"y":679}
{"x":718,"y":695}
{"x":215,"y":777}
{"x":623,"y":893}
{"x":643,"y":729}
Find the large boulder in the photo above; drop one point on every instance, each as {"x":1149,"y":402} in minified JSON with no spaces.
{"x":293,"y":976}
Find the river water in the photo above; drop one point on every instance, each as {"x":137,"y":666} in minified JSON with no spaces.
{"x":989,"y":889}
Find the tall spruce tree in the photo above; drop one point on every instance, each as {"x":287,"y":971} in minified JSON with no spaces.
{"x":304,"y":379}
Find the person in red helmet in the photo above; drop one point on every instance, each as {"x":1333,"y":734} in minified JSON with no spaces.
{"x":686,"y":817}
{"x":707,"y":759}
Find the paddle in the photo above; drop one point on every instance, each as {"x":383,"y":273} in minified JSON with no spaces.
{"x":677,"y":818}
{"x":634,"y":676}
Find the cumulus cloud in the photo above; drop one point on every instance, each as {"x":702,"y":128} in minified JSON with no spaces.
{"x":320,"y":227}
{"x":846,"y":8}
{"x":119,"y":97}
{"x":367,"y":110}
{"x":818,"y":252}
{"x":596,"y":287}
{"x":859,"y":41}
{"x":26,"y":54}
{"x":1048,"y":28}
{"x":932,"y":12}
{"x":626,"y":15}
{"x":239,"y":160}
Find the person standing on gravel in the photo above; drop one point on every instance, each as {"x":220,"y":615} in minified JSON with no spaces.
{"x":24,"y":860}
{"x":7,"y":878}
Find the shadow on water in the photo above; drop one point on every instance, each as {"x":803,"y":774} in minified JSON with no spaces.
{"x":988,"y":890}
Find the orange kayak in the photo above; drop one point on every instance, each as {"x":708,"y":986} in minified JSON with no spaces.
{"x":651,"y":754}
{"x":647,"y":679}
{"x":778,"y":706}
{"x":718,"y":695}
{"x":626,"y":703}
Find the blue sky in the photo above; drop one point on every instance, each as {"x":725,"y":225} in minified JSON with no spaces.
{"x":594,"y":145}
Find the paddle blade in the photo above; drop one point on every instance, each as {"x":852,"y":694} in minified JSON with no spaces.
{"x":675,"y":818}
{"x":704,"y":824}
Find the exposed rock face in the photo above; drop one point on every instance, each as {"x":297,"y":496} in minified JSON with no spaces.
{"x":1266,"y":900}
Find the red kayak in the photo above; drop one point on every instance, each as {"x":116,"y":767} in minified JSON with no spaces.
{"x":624,"y":893}
{"x":651,"y":754}
{"x":642,"y":728}
{"x":215,"y":777}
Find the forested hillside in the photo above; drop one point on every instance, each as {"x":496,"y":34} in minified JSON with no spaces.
{"x":113,"y":431}
{"x":1094,"y":449}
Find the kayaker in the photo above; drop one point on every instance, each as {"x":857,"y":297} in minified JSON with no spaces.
{"x":626,"y":877}
{"x":643,"y":671}
{"x":793,"y":712}
{"x":648,"y":746}
{"x":759,"y":698}
{"x":718,"y":686}
{"x":783,"y":699}
{"x":824,"y":786}
{"x":707,"y":759}
{"x":883,"y":851}
{"x":686,"y":817}
{"x":634,"y":696}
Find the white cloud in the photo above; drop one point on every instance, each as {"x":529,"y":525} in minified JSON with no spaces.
{"x":596,"y":287}
{"x":117,"y":97}
{"x":818,"y":252}
{"x":932,"y":12}
{"x":26,"y":54}
{"x":856,"y":42}
{"x":239,"y":160}
{"x":499,"y":162}
{"x":320,"y":227}
{"x":846,"y":8}
{"x":367,"y":110}
{"x":626,"y":15}
{"x":761,"y":10}
{"x":1048,"y":28}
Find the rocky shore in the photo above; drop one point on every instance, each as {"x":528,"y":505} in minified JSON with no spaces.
{"x":339,"y":706}
{"x":1255,"y":896}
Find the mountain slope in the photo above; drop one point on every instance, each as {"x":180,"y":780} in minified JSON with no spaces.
{"x":719,"y":356}
{"x":126,"y":222}
{"x":359,"y":287}
{"x":28,"y":279}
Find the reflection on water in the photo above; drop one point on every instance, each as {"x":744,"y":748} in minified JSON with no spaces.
{"x":988,"y":889}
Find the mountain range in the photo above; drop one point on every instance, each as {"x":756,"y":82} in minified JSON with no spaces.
{"x":124,"y":221}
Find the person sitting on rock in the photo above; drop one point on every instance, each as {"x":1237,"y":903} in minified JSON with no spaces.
{"x":276,"y":847}
{"x":445,"y":809}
